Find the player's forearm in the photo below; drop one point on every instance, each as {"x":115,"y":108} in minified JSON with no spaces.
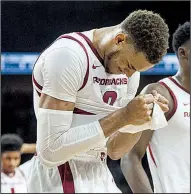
{"x":135,"y":175}
{"x":28,"y":148}
{"x":114,"y":121}
{"x":121,"y":143}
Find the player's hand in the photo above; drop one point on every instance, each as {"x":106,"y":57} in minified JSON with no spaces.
{"x":139,"y":110}
{"x":161,"y":101}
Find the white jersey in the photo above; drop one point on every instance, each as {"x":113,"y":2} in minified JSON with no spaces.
{"x":15,"y":184}
{"x":81,"y":79}
{"x":169,"y":150}
{"x":25,"y":168}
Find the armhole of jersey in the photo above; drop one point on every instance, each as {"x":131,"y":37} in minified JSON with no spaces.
{"x":175,"y":104}
{"x":83,"y":47}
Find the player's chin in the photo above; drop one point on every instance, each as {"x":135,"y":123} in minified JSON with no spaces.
{"x":11,"y":170}
{"x":116,"y":71}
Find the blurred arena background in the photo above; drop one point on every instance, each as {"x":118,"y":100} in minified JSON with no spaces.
{"x":28,"y":27}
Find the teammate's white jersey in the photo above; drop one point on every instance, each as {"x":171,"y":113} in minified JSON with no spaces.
{"x":25,"y":168}
{"x":80,"y":79}
{"x":15,"y":184}
{"x":169,"y":150}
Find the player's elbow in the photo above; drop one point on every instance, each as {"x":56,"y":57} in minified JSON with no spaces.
{"x":114,"y":154}
{"x":50,"y":158}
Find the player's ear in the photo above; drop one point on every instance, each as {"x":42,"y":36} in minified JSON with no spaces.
{"x":182,"y":53}
{"x":120,"y":38}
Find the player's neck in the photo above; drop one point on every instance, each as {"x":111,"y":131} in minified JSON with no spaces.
{"x":184,"y":80}
{"x":102,"y":37}
{"x":9,"y":174}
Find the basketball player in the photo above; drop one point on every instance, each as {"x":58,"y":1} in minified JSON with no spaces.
{"x":82,"y":85}
{"x":168,"y":149}
{"x":12,"y":178}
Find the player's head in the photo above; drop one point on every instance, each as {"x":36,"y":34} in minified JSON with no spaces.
{"x":10,"y":152}
{"x":140,"y":44}
{"x":181,"y":45}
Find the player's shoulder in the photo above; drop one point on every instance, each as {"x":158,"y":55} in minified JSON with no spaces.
{"x":160,"y":88}
{"x":69,"y":44}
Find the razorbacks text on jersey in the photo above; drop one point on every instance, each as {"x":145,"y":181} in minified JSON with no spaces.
{"x":169,"y":150}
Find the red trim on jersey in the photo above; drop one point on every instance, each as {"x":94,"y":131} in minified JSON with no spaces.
{"x":87,"y":71}
{"x":12,"y":190}
{"x":35,"y":82}
{"x":82,"y":112}
{"x":151,"y":154}
{"x":173,"y":80}
{"x":66,"y":178}
{"x":175,"y":103}
{"x":91,"y":46}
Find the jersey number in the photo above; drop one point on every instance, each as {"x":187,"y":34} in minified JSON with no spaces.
{"x":110,"y":97}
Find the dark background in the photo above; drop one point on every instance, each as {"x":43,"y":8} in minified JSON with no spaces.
{"x":30,"y":26}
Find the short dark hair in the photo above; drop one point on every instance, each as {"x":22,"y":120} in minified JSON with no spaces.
{"x":181,"y":36}
{"x":149,"y":34}
{"x":11,"y":142}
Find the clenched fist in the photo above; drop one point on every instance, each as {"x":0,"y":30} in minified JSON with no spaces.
{"x":139,"y":110}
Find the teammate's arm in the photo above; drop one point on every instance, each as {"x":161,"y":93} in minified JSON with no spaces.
{"x":132,"y":168}
{"x":131,"y":164}
{"x":28,"y":148}
{"x":58,"y":141}
{"x":121,"y":143}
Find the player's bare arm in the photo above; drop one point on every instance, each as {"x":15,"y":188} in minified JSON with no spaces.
{"x":132,"y":168}
{"x":28,"y":148}
{"x":131,"y":164}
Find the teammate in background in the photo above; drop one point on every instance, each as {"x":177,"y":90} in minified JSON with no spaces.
{"x":168,"y":149}
{"x":82,"y":85}
{"x":13,"y":176}
{"x":13,"y":179}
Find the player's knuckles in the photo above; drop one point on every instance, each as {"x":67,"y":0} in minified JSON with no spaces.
{"x":141,"y":100}
{"x":143,"y":107}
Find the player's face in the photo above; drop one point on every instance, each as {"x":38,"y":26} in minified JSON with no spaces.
{"x":10,"y":160}
{"x":121,"y":58}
